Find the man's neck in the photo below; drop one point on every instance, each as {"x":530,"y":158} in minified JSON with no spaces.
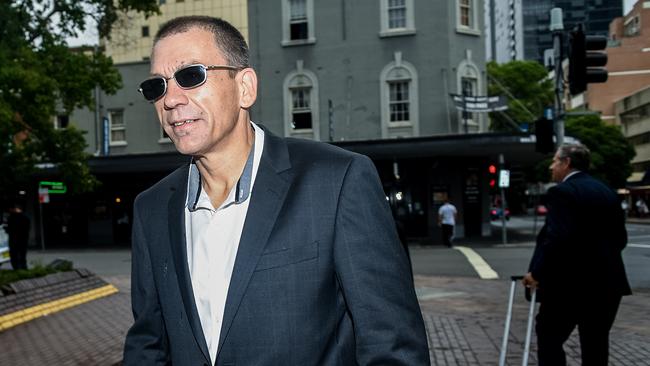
{"x":220,"y":170}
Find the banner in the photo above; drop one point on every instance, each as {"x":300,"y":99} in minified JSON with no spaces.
{"x":474,"y":104}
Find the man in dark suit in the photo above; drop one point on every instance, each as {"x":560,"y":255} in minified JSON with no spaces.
{"x":577,"y":264}
{"x":261,"y":250}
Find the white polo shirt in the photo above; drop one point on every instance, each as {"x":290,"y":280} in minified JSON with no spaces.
{"x":212,"y":237}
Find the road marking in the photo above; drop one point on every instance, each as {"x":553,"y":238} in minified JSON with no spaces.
{"x":645,"y":246}
{"x":18,"y":317}
{"x":480,"y":265}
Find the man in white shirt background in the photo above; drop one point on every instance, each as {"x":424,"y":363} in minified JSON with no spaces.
{"x":447,"y":220}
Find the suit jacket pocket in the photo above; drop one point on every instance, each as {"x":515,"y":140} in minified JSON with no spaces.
{"x":288,"y":256}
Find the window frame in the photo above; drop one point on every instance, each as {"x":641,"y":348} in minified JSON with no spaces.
{"x":292,"y":82}
{"x":391,"y":74}
{"x":386,"y":30}
{"x":112,"y":127}
{"x":473,"y":28}
{"x":286,"y":25}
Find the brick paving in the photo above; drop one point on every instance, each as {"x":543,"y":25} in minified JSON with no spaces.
{"x":464,"y":319}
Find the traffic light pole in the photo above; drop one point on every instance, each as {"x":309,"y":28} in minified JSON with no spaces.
{"x":557,"y":27}
{"x":504,"y":231}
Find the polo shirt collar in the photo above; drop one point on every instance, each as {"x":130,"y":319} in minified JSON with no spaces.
{"x":242,"y":189}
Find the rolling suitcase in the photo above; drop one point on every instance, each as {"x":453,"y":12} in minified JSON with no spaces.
{"x":529,"y":327}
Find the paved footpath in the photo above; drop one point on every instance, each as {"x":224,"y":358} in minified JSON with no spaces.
{"x":464,"y":319}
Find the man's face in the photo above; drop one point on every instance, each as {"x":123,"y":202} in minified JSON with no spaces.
{"x":559,"y":168}
{"x":197,"y":120}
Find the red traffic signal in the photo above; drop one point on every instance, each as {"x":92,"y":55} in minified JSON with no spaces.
{"x":492,"y":169}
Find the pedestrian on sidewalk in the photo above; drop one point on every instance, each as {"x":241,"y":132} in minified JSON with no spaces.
{"x":447,"y":221}
{"x":260,"y":250}
{"x":577,"y":265}
{"x":18,"y":232}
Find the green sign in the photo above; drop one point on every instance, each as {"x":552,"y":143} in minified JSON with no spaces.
{"x":53,"y":187}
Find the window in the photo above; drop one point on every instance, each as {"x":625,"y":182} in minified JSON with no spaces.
{"x":298,"y":20}
{"x":301,"y":104}
{"x":399,"y":102}
{"x":117,"y":127}
{"x":396,"y":18}
{"x":465,"y":13}
{"x":396,"y":14}
{"x":300,"y":108}
{"x":467,"y":17}
{"x":469,"y":84}
{"x":145,"y":31}
{"x":61,"y":121}
{"x":162,"y":2}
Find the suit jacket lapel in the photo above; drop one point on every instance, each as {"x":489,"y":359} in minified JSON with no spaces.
{"x":177,"y":240}
{"x":269,"y":192}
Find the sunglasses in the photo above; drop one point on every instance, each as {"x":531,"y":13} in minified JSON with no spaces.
{"x":188,"y":77}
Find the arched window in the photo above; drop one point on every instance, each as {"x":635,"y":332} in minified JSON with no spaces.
{"x":469,"y":84}
{"x":301,"y":104}
{"x":399,"y":99}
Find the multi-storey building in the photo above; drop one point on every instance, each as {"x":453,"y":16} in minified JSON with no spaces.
{"x":504,"y":30}
{"x":628,"y":63}
{"x":595,"y":15}
{"x":371,"y":76}
{"x":132,"y":36}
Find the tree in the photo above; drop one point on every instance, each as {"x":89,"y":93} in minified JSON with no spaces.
{"x":41,"y":75}
{"x":528,"y":88}
{"x":611,"y":152}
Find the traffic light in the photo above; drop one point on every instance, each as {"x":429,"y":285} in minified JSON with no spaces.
{"x":544,"y":135}
{"x":586,"y":58}
{"x":492,"y":176}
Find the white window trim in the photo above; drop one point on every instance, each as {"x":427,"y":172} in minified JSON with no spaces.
{"x":286,"y":26}
{"x":314,"y":131}
{"x":410,"y":21}
{"x":460,"y":74}
{"x":111,"y":129}
{"x":414,"y":122}
{"x":475,"y":29}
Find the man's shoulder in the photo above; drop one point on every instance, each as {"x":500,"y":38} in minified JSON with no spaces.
{"x":314,"y":153}
{"x":173,"y":181}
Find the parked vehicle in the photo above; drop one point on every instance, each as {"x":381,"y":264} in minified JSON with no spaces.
{"x":540,"y":210}
{"x":497,"y":212}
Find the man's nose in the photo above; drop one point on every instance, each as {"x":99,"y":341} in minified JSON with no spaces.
{"x":175,"y":95}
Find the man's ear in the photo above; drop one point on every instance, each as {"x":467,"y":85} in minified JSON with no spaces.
{"x":247,"y":81}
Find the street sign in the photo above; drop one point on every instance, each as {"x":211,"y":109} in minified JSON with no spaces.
{"x":475,"y":104}
{"x":504,"y":178}
{"x":43,"y":195}
{"x":52,"y":187}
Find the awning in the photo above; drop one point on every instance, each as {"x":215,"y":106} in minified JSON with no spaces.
{"x":635,"y":177}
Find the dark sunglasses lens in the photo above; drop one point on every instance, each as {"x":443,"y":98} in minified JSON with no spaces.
{"x":153,"y":89}
{"x":190,"y":77}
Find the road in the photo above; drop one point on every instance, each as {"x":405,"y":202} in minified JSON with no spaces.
{"x":505,"y":260}
{"x":512,"y":259}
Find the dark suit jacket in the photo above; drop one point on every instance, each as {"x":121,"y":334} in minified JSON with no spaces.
{"x":320,"y":277}
{"x":578,"y":252}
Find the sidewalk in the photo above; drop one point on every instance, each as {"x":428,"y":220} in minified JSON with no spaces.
{"x":464,"y":319}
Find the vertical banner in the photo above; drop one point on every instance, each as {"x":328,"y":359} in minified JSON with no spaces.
{"x":105,"y":137}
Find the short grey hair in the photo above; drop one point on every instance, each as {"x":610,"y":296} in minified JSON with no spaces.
{"x":227,"y":38}
{"x":579,"y":155}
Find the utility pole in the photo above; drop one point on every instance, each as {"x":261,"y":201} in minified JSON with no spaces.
{"x":557,"y":27}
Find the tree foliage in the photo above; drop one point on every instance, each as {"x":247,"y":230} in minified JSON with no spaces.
{"x":611,"y":152}
{"x":40,"y":76}
{"x":528,"y":89}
